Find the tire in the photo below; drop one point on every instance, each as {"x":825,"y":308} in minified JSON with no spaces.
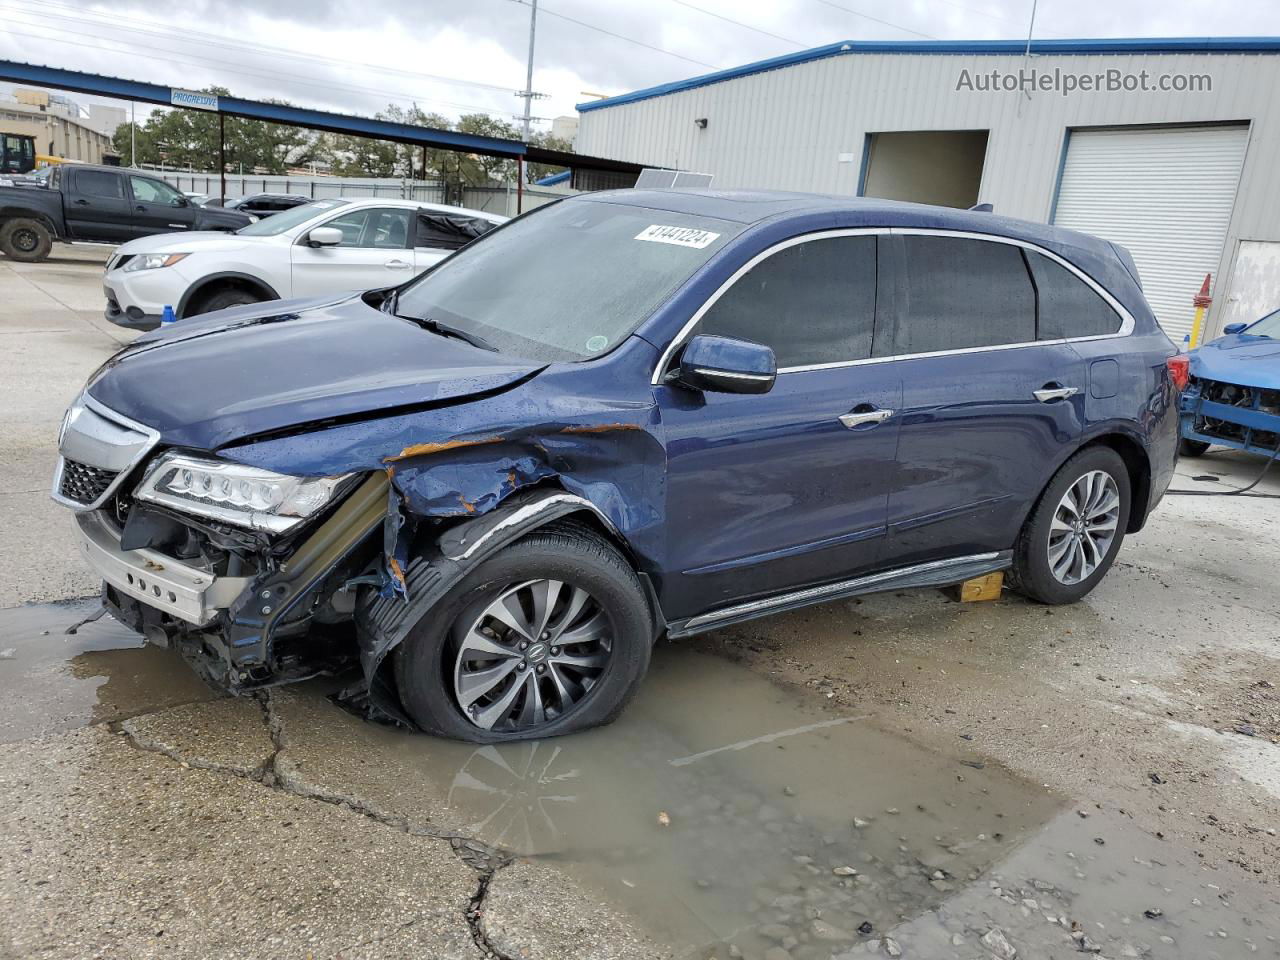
{"x":432,"y":665}
{"x":25,"y":240}
{"x":1192,"y":448}
{"x":230,"y":297}
{"x":1041,"y":541}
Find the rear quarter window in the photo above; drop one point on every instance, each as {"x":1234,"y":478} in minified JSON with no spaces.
{"x":1067,"y":307}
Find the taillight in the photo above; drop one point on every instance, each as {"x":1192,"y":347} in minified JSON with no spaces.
{"x":1180,"y":370}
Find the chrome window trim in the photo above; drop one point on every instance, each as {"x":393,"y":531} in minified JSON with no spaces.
{"x":1127,"y":322}
{"x":152,"y":435}
{"x":707,"y":371}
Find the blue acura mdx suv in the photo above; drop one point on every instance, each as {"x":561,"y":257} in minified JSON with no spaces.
{"x":622,"y":416}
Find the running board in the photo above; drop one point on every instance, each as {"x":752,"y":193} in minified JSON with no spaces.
{"x":937,"y":573}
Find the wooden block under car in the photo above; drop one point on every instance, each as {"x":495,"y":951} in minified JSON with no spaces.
{"x":979,"y":588}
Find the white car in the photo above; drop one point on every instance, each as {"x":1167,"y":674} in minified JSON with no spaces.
{"x":329,"y":246}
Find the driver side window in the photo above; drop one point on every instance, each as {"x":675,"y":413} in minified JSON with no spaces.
{"x":146,"y":190}
{"x":812,"y":303}
{"x":378,"y":228}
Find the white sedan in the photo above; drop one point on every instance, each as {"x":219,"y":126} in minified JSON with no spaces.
{"x":329,"y":246}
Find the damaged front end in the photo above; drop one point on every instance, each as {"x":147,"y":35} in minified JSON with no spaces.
{"x":252,"y":598}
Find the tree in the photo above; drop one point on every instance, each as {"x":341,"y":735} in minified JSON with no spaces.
{"x":534,"y":172}
{"x":189,"y":138}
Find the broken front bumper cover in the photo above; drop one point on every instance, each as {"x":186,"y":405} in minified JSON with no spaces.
{"x":188,"y":593}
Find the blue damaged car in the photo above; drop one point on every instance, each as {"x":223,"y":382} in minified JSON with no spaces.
{"x":624,"y":416}
{"x":1233,"y":395}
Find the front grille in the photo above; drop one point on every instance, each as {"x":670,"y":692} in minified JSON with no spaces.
{"x":83,"y":483}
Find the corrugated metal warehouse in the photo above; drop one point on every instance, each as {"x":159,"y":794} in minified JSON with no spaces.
{"x":1173,"y":151}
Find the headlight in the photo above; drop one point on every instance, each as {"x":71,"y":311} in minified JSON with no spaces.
{"x":153,"y":261}
{"x":244,"y":496}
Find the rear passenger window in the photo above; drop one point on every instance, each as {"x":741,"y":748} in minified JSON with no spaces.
{"x":96,"y":184}
{"x":956,"y":293}
{"x":812,"y":303}
{"x":1067,"y":306}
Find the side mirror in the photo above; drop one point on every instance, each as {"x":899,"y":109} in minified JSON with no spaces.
{"x":726,"y":365}
{"x":181,"y":202}
{"x":324,"y":237}
{"x":1231,"y":328}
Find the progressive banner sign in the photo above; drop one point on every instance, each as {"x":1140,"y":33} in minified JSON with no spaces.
{"x":193,"y":99}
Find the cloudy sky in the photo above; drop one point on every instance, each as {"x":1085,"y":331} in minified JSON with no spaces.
{"x":464,"y":56}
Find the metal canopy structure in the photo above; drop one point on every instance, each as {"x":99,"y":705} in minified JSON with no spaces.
{"x":590,"y":172}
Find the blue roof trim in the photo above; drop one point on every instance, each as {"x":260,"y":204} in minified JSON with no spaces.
{"x":553,"y":179}
{"x":1106,"y":45}
{"x":260,"y":110}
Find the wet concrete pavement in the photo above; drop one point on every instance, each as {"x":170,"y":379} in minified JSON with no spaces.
{"x":743,"y":806}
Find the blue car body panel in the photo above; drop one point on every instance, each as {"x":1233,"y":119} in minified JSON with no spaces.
{"x":1233,"y":399}
{"x":718,"y":497}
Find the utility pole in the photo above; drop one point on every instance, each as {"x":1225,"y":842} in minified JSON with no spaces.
{"x":528,"y":77}
{"x":133,"y":133}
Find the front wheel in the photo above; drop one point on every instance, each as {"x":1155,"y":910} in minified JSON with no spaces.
{"x":222,"y":299}
{"x":550,"y":635}
{"x":1072,"y":536}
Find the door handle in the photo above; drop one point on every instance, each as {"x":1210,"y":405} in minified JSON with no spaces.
{"x":1054,"y":391}
{"x":82,"y":202}
{"x":395,"y":264}
{"x":140,"y":208}
{"x":860,"y":417}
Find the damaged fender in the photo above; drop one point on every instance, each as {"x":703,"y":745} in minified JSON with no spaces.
{"x":469,"y":478}
{"x":384,"y":620}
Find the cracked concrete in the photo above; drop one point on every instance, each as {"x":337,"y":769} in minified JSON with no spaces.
{"x":198,"y":837}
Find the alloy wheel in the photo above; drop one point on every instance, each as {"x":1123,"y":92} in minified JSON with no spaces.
{"x":530,"y":655}
{"x":1083,"y":527}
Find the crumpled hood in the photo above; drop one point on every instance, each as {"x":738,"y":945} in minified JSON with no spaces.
{"x":1239,"y":358}
{"x":214,"y":380}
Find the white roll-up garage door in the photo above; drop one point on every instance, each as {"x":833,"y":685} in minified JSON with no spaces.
{"x":1164,"y":193}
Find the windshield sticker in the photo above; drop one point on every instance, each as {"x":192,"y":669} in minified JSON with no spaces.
{"x":597,"y":343}
{"x":680,"y":236}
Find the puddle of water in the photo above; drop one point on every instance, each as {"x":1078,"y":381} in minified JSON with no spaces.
{"x":51,"y":680}
{"x":720,"y":809}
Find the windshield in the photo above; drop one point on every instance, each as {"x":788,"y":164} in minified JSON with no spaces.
{"x":1268,"y":326}
{"x":280,"y":223}
{"x":569,"y":281}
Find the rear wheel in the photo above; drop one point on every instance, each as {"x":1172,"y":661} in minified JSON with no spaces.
{"x":25,"y":240}
{"x":222,"y":299}
{"x":1071,"y":538}
{"x":548,"y":636}
{"x":1192,"y":448}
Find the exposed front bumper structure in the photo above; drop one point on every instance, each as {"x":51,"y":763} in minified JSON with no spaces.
{"x":185,"y":592}
{"x":1231,"y":415}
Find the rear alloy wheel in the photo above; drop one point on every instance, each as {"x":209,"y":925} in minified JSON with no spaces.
{"x":1072,"y":536}
{"x":549,"y":635}
{"x":1083,"y":527}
